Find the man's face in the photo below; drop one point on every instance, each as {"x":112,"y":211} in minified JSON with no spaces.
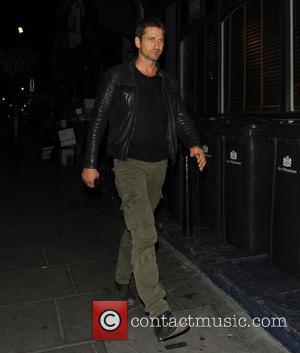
{"x":151,"y":44}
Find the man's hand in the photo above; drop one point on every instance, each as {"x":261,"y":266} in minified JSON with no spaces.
{"x":89,"y":175}
{"x":198,"y":152}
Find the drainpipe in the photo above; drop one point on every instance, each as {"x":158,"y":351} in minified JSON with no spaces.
{"x":187,"y":223}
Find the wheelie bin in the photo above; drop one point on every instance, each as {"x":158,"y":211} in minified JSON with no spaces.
{"x":247,"y":165}
{"x":209,"y":181}
{"x":285,"y":249}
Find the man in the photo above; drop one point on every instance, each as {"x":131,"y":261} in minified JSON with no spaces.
{"x":145,"y":114}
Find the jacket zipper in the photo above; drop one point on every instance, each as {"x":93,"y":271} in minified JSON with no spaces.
{"x":169,"y":118}
{"x":126,"y":147}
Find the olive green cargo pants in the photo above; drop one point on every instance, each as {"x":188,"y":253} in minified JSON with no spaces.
{"x":139,"y":185}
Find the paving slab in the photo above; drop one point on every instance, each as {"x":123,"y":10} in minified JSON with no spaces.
{"x":21,"y":258}
{"x":94,"y":276}
{"x":73,"y":227}
{"x":111,"y":224}
{"x":47,"y":218}
{"x":35,"y":284}
{"x":31,"y":237}
{"x":29,"y":327}
{"x":19,"y":217}
{"x":73,"y":252}
{"x":88,"y":226}
{"x":12,"y":196}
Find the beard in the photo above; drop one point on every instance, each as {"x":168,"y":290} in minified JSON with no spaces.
{"x":151,"y":55}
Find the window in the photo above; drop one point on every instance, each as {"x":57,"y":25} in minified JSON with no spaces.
{"x":211,"y":70}
{"x":195,"y":9}
{"x":252,"y":57}
{"x":234,"y":37}
{"x":188,"y":71}
{"x":296,"y":54}
{"x":198,"y":70}
{"x":271,"y":55}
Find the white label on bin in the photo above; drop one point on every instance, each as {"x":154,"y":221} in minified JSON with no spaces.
{"x":205,"y":149}
{"x":233,"y":158}
{"x":286,"y":165}
{"x":233,"y":155}
{"x":287,"y":161}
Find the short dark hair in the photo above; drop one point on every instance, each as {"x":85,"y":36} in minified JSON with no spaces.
{"x":148,"y":22}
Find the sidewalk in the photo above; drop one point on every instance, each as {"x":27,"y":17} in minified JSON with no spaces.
{"x":58,"y":252}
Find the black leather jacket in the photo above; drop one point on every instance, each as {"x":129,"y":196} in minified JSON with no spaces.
{"x":115,"y":102}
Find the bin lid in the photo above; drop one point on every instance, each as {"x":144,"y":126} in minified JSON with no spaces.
{"x":285,"y":128}
{"x":244,"y":127}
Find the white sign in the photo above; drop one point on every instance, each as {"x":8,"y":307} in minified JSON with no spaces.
{"x":67,"y":137}
{"x":233,"y":158}
{"x":31,"y":85}
{"x":233,"y":155}
{"x":287,"y":161}
{"x":287,"y":166}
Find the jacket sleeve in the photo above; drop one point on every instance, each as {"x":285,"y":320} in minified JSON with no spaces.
{"x":185,"y":128}
{"x":98,"y":120}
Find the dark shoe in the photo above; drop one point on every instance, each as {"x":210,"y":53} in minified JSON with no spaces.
{"x":125,"y":293}
{"x":168,"y":327}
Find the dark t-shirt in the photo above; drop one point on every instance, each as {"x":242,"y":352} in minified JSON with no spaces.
{"x":149,"y":141}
